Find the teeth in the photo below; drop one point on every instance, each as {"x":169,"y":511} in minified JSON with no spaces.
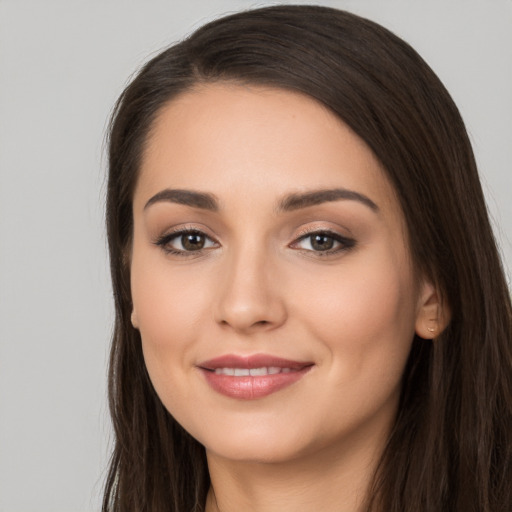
{"x":258,"y":371}
{"x":254,"y":372}
{"x":225,"y":371}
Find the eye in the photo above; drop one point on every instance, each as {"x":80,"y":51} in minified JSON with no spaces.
{"x":324,"y":242}
{"x":185,"y":241}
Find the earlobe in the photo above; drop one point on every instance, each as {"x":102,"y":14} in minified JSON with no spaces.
{"x":433,"y":316}
{"x":134,"y":320}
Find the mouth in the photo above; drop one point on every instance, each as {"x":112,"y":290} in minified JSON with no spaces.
{"x":252,"y":377}
{"x":253,"y":372}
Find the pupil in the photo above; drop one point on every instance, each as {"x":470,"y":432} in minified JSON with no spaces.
{"x":192,"y":242}
{"x":322,"y":242}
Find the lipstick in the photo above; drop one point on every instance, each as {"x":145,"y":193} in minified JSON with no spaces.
{"x":252,"y":377}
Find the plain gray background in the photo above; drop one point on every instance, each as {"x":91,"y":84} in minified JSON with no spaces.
{"x":62,"y":65}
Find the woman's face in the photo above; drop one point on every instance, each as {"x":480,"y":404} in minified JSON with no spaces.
{"x":270,"y":274}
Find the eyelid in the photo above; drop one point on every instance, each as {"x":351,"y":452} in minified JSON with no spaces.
{"x":346,"y":242}
{"x":314,"y":226}
{"x":163,"y":240}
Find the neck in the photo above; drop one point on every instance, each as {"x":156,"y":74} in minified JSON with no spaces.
{"x":336,"y":479}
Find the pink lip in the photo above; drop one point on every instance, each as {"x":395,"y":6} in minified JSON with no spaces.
{"x":252,"y":387}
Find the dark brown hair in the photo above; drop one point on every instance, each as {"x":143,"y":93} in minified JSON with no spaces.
{"x":450,"y":449}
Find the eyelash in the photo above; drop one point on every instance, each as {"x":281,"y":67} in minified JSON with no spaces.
{"x":166,"y":239}
{"x":345,"y":243}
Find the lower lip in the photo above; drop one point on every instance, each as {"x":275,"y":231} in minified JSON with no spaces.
{"x":252,"y":387}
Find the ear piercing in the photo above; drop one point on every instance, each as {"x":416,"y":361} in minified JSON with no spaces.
{"x":433,"y":326}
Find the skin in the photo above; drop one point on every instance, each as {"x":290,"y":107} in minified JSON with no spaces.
{"x":259,"y":286}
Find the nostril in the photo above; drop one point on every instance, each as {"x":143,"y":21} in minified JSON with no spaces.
{"x":249,"y":312}
{"x":261,"y":323}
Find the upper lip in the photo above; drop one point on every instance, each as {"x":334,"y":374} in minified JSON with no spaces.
{"x":252,"y":361}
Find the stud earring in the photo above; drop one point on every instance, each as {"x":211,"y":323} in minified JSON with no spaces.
{"x":431,"y":329}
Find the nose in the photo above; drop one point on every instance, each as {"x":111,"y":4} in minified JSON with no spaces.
{"x":250,"y":298}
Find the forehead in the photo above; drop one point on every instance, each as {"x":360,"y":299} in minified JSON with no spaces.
{"x":256,"y":141}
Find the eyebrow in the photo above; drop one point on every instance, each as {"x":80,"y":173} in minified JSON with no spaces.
{"x":316,"y":197}
{"x":291,"y":202}
{"x":186,"y":197}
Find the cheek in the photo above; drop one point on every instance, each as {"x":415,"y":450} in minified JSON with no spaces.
{"x":168,"y":310}
{"x":168,"y":298}
{"x":365,"y":314}
{"x":169,"y":307}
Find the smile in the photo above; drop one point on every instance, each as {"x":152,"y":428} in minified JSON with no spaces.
{"x":254,"y":372}
{"x":252,"y":377}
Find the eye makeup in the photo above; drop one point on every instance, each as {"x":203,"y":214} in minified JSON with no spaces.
{"x":190,"y":241}
{"x":324,"y":242}
{"x":193,"y":242}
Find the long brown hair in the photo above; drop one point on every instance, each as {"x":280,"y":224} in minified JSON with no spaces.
{"x":451,"y":446}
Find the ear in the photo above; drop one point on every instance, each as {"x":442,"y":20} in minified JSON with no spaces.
{"x":433,"y":314}
{"x":135,"y":321}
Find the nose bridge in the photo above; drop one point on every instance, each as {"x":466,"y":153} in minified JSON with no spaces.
{"x":248,"y":297}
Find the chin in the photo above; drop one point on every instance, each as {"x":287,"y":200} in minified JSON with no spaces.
{"x":256,"y":453}
{"x":263,"y":445}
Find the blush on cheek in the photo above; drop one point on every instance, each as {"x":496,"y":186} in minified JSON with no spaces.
{"x":357,"y":302}
{"x":166,"y":301}
{"x":367,"y":315}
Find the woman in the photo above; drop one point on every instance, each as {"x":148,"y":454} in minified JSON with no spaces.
{"x":310,"y":308}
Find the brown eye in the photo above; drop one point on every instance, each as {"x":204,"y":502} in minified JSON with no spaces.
{"x":321,"y":242}
{"x":185,"y":242}
{"x":193,"y":241}
{"x":324,"y":242}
